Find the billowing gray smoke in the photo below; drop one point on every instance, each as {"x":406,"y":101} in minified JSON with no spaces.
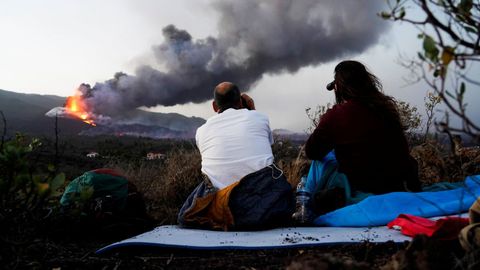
{"x":255,"y":37}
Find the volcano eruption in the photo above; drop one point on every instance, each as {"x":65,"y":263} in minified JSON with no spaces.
{"x":254,"y":38}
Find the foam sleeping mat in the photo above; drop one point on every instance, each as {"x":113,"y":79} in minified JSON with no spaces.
{"x":172,"y":236}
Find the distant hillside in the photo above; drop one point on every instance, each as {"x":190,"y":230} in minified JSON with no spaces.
{"x":291,"y":135}
{"x":173,"y":121}
{"x":26,"y":113}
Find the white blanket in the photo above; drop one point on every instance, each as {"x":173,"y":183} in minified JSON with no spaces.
{"x":176,"y":237}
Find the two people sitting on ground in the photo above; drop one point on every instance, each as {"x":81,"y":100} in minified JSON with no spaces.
{"x":358,"y":148}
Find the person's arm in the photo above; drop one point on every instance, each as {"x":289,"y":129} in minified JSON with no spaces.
{"x":270,"y":134}
{"x":197,"y":137}
{"x":248,"y":103}
{"x":320,"y":141}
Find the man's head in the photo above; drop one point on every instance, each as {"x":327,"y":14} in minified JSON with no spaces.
{"x":226,"y":95}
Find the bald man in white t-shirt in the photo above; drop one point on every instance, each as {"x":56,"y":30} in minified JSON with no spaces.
{"x":235,"y":142}
{"x":243,"y":190}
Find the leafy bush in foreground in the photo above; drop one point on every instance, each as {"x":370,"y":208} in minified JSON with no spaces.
{"x":28,"y":197}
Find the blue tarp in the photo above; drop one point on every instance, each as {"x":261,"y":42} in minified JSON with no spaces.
{"x":378,"y":210}
{"x":324,"y":175}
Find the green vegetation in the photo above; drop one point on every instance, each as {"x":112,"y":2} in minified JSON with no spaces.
{"x":28,"y":194}
{"x":450,"y":31}
{"x":24,"y":186}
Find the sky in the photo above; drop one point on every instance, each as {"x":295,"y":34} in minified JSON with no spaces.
{"x":52,"y":46}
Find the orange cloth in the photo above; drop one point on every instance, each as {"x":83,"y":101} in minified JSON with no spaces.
{"x":212,"y":211}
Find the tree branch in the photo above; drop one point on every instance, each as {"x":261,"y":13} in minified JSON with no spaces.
{"x":432,"y":19}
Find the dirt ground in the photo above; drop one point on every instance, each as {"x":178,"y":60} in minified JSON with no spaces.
{"x":79,"y":253}
{"x":82,"y":256}
{"x":72,"y":245}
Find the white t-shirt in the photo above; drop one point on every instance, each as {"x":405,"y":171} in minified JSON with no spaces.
{"x":234,"y":143}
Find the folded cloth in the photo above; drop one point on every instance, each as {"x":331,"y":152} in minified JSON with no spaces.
{"x":444,"y":229}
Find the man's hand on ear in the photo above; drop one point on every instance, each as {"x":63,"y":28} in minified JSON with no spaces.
{"x":247,"y":102}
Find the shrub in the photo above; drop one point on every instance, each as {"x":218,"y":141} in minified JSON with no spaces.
{"x":28,"y":196}
{"x":23,"y":188}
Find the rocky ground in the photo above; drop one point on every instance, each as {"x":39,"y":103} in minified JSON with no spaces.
{"x":76,"y":252}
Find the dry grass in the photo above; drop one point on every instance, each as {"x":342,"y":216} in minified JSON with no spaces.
{"x":437,"y":163}
{"x":294,"y":169}
{"x":165,"y":184}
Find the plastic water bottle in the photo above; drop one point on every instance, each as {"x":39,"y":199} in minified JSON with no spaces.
{"x":303,"y":214}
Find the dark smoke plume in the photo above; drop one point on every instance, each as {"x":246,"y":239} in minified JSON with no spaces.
{"x":255,"y":38}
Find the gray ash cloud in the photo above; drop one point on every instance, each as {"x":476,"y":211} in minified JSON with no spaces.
{"x":254,"y":38}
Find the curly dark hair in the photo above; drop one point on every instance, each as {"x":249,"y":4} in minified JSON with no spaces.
{"x":354,"y":82}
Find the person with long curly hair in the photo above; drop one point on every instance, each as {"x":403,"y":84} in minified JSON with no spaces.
{"x":359,"y":146}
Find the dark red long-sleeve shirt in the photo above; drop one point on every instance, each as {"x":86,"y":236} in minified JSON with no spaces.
{"x":373,"y":155}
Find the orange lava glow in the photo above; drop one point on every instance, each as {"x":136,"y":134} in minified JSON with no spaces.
{"x":77,"y":107}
